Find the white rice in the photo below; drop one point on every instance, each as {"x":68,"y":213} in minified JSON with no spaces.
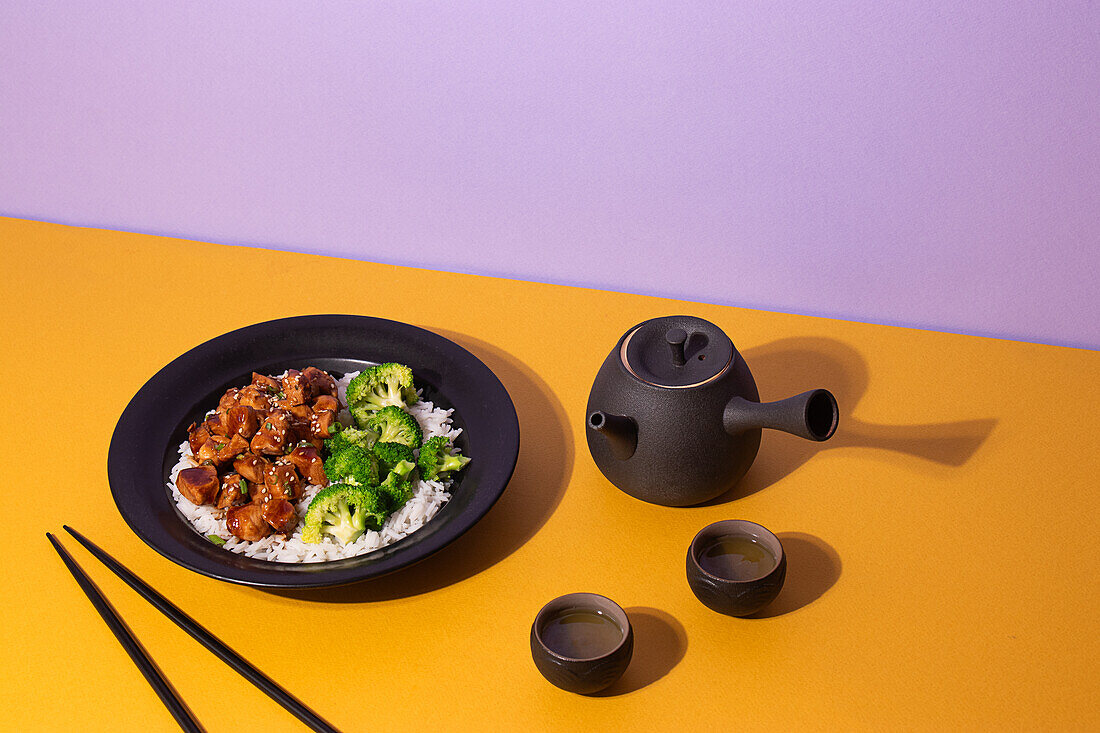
{"x":430,"y":496}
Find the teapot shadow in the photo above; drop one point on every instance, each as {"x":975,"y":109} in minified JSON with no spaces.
{"x":791,"y":366}
{"x":535,"y":490}
{"x":813,"y":567}
{"x":660,"y":642}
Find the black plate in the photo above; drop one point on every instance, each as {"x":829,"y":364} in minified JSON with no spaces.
{"x":146,"y":440}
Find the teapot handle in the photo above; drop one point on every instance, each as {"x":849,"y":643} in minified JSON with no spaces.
{"x":812,"y":415}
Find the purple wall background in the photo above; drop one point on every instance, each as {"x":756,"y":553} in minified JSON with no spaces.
{"x":932,"y":165}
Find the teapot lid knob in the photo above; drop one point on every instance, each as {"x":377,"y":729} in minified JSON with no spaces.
{"x":676,"y":338}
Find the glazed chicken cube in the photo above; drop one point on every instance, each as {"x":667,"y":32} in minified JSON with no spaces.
{"x":234,"y":491}
{"x":282,"y":481}
{"x":215,"y":425}
{"x":265,"y":383}
{"x":307,"y":459}
{"x":295,"y":389}
{"x":229,"y":399}
{"x":251,"y":467}
{"x":198,"y":485}
{"x":241,"y":420}
{"x":273,"y":434}
{"x":326,"y":402}
{"x":219,"y":450}
{"x":196,"y":436}
{"x":247,"y":522}
{"x":255,"y":398}
{"x":320,"y":382}
{"x":320,"y":424}
{"x":301,"y":413}
{"x":229,"y":448}
{"x":280,"y":515}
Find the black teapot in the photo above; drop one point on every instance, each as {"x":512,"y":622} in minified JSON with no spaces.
{"x":674,"y":416}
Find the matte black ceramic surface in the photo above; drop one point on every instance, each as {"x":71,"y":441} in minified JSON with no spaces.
{"x":729,"y":596}
{"x":145,"y":443}
{"x":674,"y":416}
{"x":583,"y":676}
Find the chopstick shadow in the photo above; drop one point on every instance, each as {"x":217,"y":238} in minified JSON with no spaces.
{"x":537,"y":486}
{"x":813,"y":567}
{"x":660,"y":642}
{"x":792,"y":366}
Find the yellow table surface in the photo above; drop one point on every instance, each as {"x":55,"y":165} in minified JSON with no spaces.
{"x":943,"y":546}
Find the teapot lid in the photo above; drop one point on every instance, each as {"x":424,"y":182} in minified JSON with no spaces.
{"x":676,"y":351}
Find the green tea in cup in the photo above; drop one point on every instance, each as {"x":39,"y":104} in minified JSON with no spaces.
{"x":736,"y":557}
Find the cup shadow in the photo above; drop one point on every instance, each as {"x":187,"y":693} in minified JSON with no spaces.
{"x":660,"y":642}
{"x":813,"y":567}
{"x":791,"y":366}
{"x":537,"y":486}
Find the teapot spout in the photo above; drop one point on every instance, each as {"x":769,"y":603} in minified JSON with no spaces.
{"x":812,"y":415}
{"x":620,"y":432}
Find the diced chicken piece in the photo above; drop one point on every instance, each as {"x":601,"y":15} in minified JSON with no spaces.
{"x":219,"y":450}
{"x":265,"y":383}
{"x":307,"y":459}
{"x":196,"y":436}
{"x":300,"y":412}
{"x":258,"y":493}
{"x":229,"y":448}
{"x":208,"y":452}
{"x":229,"y":399}
{"x":234,"y":491}
{"x":320,"y":382}
{"x":241,"y":420}
{"x":247,"y":522}
{"x":326,"y":402}
{"x":282,"y":481}
{"x":255,"y":398}
{"x":215,"y":425}
{"x":295,"y":389}
{"x":198,"y":485}
{"x":274,"y":433}
{"x":320,"y":424}
{"x":252,"y":467}
{"x":280,"y":514}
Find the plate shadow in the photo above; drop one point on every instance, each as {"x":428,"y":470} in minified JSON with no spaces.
{"x":660,"y":642}
{"x":792,"y":366}
{"x":813,"y":567}
{"x":537,"y":486}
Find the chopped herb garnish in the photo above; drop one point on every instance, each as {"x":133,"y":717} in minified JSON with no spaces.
{"x":244,"y":487}
{"x":267,"y":425}
{"x":215,"y":539}
{"x":281,"y":395}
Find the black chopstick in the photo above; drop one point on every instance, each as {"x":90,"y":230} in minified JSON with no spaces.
{"x":129,"y":643}
{"x":208,"y":640}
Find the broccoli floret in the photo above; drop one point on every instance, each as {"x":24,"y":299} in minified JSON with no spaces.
{"x":436,"y":459}
{"x":365,"y":439}
{"x":390,"y":454}
{"x":362,"y":415}
{"x":396,"y":490}
{"x":352,"y":465}
{"x":382,"y":386}
{"x":396,"y":426}
{"x":344,"y":512}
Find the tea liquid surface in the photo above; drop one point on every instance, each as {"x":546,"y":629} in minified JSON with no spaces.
{"x":737,"y":557}
{"x":581,"y":634}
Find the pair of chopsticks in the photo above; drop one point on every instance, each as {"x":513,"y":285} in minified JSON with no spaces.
{"x":167,"y":695}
